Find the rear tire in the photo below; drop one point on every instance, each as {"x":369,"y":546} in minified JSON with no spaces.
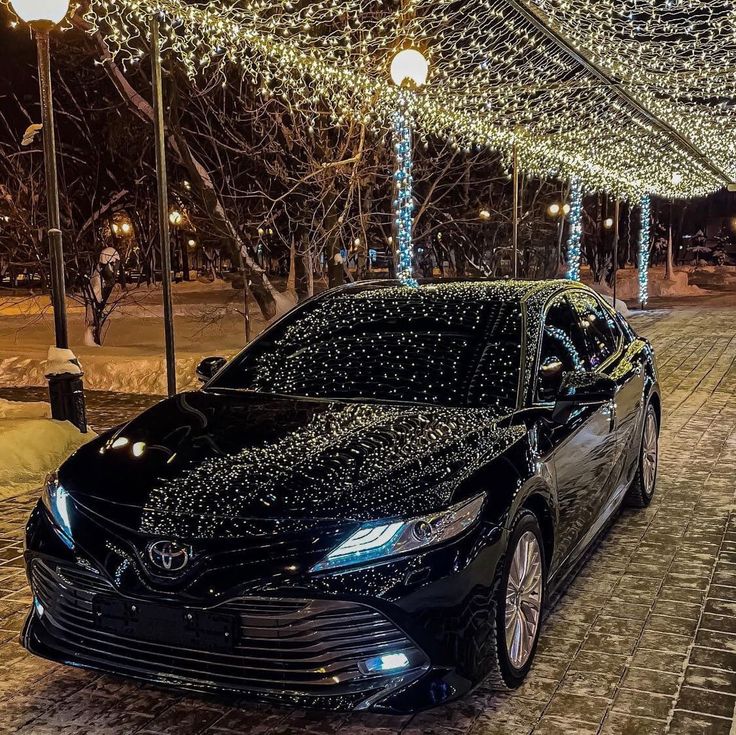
{"x":518,"y":603}
{"x":641,"y":492}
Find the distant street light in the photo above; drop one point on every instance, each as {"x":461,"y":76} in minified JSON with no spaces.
{"x":554,"y":209}
{"x":484,"y":214}
{"x":65,"y":380}
{"x":608,"y":223}
{"x":176,"y":217}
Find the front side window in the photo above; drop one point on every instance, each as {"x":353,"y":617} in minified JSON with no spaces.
{"x":449,"y":344}
{"x":598,"y":327}
{"x":562,"y":349}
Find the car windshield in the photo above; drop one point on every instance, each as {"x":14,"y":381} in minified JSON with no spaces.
{"x":448,"y":344}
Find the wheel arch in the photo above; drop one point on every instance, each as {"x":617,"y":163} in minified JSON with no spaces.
{"x":656,"y":401}
{"x":539,"y":503}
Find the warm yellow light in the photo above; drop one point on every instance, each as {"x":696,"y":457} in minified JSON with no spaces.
{"x":34,"y":11}
{"x":356,"y":242}
{"x":565,"y":209}
{"x":191,"y":243}
{"x":484,"y":214}
{"x":114,"y":228}
{"x":608,"y":223}
{"x":126,"y":227}
{"x":409,"y":66}
{"x":554,"y":209}
{"x":175,"y":217}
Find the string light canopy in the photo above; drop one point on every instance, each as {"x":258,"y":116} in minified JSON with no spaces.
{"x":584,"y":89}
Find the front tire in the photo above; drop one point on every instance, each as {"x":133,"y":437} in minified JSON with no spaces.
{"x":519,"y":603}
{"x":642,"y":488}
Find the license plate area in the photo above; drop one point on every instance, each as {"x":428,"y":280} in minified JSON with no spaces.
{"x":168,"y":625}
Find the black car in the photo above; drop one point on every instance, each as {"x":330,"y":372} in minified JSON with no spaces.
{"x":369,"y":507}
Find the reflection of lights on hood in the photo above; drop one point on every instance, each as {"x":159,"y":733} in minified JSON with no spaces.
{"x":138,"y":448}
{"x":121,"y":441}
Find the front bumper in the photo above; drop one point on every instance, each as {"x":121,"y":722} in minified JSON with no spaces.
{"x":306,"y":646}
{"x":307,"y":652}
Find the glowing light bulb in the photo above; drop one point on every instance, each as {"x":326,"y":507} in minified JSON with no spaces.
{"x":409,"y":66}
{"x":35,"y":11}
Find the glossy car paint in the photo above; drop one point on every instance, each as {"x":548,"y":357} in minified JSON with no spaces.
{"x":260,"y":487}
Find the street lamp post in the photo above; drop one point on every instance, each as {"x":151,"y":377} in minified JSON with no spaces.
{"x":559,"y":212}
{"x":65,"y":375}
{"x":409,"y":69}
{"x":669,"y":265}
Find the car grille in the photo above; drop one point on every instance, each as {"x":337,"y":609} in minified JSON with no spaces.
{"x":286,"y":646}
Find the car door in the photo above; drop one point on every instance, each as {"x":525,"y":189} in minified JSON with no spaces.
{"x":606,"y":346}
{"x":582,"y":448}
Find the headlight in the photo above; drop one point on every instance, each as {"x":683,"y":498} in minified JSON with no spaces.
{"x":379,"y":540}
{"x":56,"y":500}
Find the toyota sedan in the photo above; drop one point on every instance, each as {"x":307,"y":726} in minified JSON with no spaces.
{"x":369,"y":507}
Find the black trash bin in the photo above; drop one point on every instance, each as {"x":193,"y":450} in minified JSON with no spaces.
{"x":66,"y":393}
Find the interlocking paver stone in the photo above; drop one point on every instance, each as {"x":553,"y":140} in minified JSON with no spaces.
{"x":642,"y":643}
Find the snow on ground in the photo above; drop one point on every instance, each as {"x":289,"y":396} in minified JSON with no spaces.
{"x":208,"y":321}
{"x":32,"y":445}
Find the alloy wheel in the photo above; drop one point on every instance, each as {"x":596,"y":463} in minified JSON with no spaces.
{"x":649,"y":453}
{"x":523,"y":599}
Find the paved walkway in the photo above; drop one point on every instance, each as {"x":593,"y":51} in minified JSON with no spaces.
{"x":644,"y":641}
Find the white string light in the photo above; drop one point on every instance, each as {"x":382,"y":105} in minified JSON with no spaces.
{"x":404,"y":203}
{"x":575,"y":232}
{"x":496,"y":79}
{"x":643,"y":274}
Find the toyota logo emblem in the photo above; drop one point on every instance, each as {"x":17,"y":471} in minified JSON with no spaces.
{"x":169,"y":555}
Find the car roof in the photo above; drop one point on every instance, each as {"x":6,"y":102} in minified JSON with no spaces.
{"x":469,"y":289}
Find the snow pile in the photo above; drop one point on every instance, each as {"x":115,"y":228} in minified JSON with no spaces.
{"x":31,"y":445}
{"x":61,"y":361}
{"x":621,"y":307}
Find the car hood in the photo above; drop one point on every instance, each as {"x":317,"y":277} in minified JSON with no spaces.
{"x":214,"y":457}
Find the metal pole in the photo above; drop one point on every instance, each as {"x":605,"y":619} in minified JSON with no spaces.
{"x":56,"y":255}
{"x":515,"y":216}
{"x":66,"y":390}
{"x":163,"y":205}
{"x":615,"y":248}
{"x":670,"y":246}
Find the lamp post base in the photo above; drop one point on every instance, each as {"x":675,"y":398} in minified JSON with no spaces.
{"x":66,"y":390}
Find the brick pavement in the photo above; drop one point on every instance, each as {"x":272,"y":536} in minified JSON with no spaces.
{"x":643,"y":642}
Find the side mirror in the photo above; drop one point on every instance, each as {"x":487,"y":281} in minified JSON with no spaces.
{"x":580,"y":388}
{"x":208,"y":367}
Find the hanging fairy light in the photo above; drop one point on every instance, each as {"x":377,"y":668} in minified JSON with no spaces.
{"x":495,"y":70}
{"x":575,"y":232}
{"x":643,"y":273}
